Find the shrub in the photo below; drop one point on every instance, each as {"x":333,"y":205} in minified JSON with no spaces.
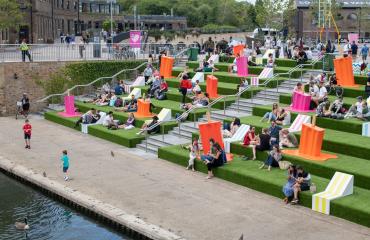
{"x":83,"y":73}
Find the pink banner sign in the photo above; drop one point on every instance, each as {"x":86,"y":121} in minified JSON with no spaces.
{"x":353,"y":37}
{"x":135,"y":39}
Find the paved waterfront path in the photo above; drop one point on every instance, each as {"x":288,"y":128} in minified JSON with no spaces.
{"x":164,"y":194}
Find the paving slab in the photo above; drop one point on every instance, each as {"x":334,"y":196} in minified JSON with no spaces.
{"x":165,"y":194}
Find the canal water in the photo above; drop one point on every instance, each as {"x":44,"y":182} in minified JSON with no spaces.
{"x":47,"y":218}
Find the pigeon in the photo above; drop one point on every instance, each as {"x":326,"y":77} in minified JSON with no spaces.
{"x":112,"y":153}
{"x":44,"y":174}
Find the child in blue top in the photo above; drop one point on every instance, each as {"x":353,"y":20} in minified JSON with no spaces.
{"x":65,"y":164}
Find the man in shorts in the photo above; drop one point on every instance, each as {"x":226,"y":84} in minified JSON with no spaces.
{"x":27,"y":129}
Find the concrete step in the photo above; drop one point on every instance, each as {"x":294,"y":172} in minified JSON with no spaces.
{"x":267,"y":95}
{"x":149,"y":148}
{"x":255,"y":101}
{"x":190,"y":127}
{"x":168,"y":139}
{"x":229,"y":114}
{"x":182,"y":134}
{"x":285,"y":90}
{"x":268,"y":98}
{"x":241,"y":109}
{"x":244,"y":104}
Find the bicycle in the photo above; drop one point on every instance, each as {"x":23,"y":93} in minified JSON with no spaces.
{"x":20,"y":111}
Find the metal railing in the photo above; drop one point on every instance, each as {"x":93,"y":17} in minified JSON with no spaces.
{"x":223,"y":98}
{"x":92,"y":86}
{"x":85,"y":52}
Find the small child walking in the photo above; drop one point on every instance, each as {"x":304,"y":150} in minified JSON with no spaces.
{"x":65,"y":164}
{"x":27,"y":129}
{"x":194,"y":152}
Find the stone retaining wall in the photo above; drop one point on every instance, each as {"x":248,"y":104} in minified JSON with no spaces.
{"x":19,"y":78}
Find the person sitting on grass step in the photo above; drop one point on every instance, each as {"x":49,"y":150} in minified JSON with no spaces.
{"x":90,"y":117}
{"x":230,"y":129}
{"x":271,"y":115}
{"x":274,"y":133}
{"x":288,"y":189}
{"x":130,"y":122}
{"x":262,"y":143}
{"x":273,"y":158}
{"x":146,"y":127}
{"x":130,"y":106}
{"x":215,"y":158}
{"x":250,"y":137}
{"x":287,"y":139}
{"x":109,"y":121}
{"x":303,"y":183}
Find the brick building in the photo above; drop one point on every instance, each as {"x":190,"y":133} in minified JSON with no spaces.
{"x":46,"y":19}
{"x":353,"y":17}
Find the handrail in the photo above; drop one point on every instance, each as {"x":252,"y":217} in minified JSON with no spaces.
{"x":238,"y":94}
{"x":102,"y":78}
{"x":91,"y":83}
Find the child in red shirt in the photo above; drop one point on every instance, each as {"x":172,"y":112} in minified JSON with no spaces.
{"x":27,"y":129}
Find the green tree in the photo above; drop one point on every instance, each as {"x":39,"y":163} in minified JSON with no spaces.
{"x":10,"y":14}
{"x":107,"y":25}
{"x":269,"y":13}
{"x":198,"y":12}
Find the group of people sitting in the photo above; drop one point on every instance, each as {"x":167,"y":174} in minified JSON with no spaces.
{"x":92,"y":116}
{"x":300,"y":55}
{"x":318,"y":89}
{"x":216,"y":156}
{"x":158,"y":86}
{"x":280,"y":115}
{"x":186,"y":87}
{"x":272,"y":139}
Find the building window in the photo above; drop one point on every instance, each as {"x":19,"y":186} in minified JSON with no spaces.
{"x":62,"y":3}
{"x":352,"y":17}
{"x":68,"y":5}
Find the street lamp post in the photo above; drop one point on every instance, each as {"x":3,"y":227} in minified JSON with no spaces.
{"x":111,"y":15}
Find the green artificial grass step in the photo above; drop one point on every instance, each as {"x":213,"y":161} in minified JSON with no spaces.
{"x":356,"y":166}
{"x":348,"y":101}
{"x":223,"y":67}
{"x":246,"y":173}
{"x":334,"y":141}
{"x":123,"y":116}
{"x":127,"y":138}
{"x":229,"y":78}
{"x":56,"y":118}
{"x":350,"y":125}
{"x":281,"y":62}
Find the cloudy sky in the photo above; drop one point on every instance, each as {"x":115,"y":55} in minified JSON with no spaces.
{"x":251,"y":1}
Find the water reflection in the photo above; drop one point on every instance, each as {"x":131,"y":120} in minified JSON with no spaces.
{"x":47,"y":219}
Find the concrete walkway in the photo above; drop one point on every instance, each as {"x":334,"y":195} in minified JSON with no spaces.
{"x":164,"y":194}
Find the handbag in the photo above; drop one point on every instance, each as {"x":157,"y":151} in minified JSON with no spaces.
{"x":284,"y":165}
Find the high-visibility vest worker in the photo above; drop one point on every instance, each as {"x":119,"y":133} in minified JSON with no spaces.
{"x":24,"y":46}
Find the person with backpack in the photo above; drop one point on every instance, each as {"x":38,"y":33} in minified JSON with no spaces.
{"x":215,"y":158}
